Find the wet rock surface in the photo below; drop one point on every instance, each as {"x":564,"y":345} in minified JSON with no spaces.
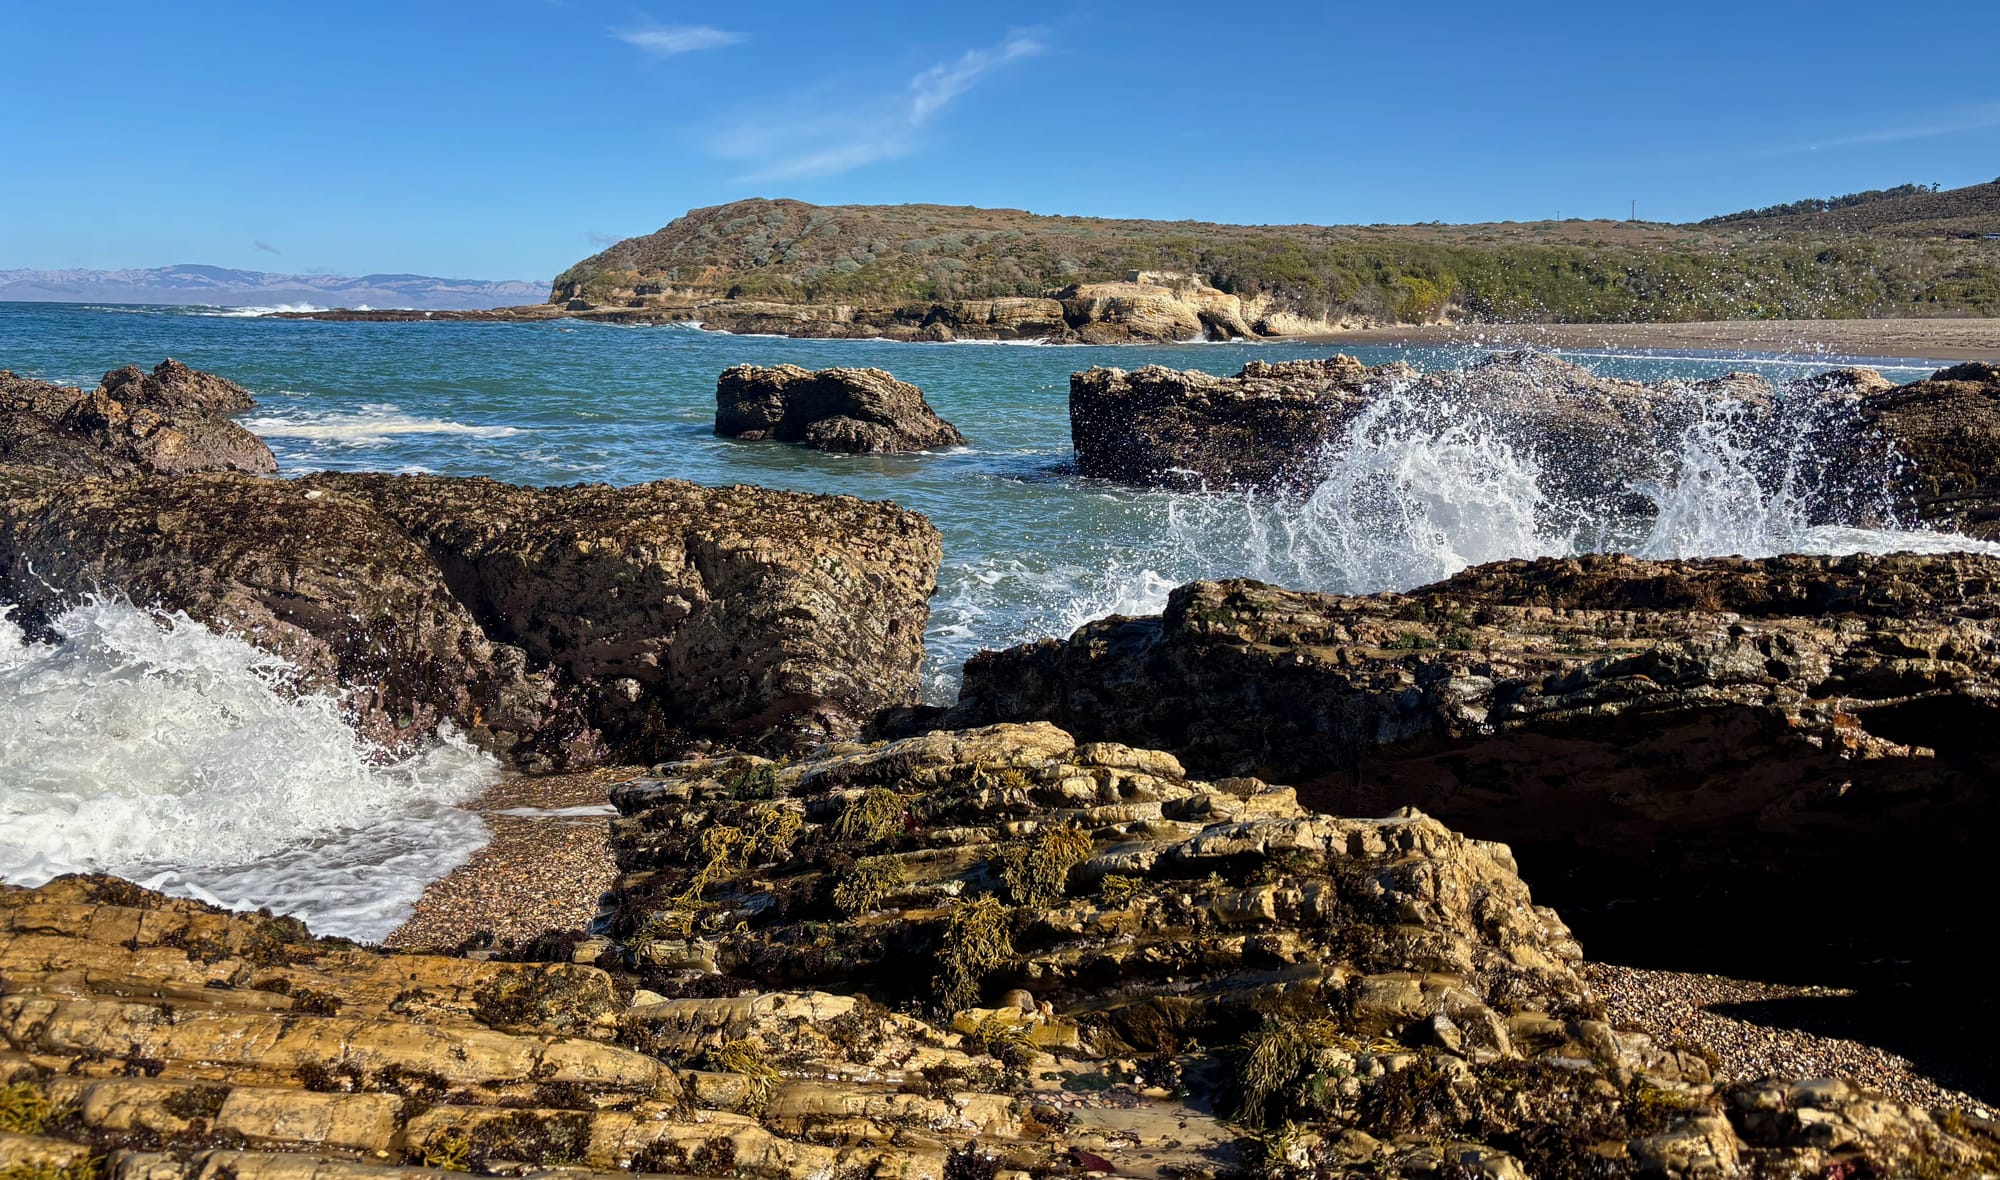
{"x":170,"y":421}
{"x":858,"y":411}
{"x":1947,"y":427}
{"x":1667,"y":736}
{"x":1853,"y":447}
{"x":1264,"y":427}
{"x":1097,"y":965}
{"x":550,"y":624}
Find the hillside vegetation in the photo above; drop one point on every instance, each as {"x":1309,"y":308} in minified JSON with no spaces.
{"x":1902,"y":252}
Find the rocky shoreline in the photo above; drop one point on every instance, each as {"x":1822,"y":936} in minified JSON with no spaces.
{"x":1941,"y":339}
{"x":1260,"y":886}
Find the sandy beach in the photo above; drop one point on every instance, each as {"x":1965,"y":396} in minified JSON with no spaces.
{"x":1898,"y":339}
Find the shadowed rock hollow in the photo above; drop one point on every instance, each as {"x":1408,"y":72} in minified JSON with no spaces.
{"x":549,"y":623}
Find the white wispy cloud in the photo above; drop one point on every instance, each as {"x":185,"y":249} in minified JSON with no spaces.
{"x":668,"y":40}
{"x":935,"y":88}
{"x":820,"y":134}
{"x":1980,"y":117}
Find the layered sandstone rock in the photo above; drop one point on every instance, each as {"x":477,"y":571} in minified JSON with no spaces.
{"x":859,"y":411}
{"x":171,"y":421}
{"x":1378,"y":997}
{"x":1131,"y":971}
{"x":547,"y":623}
{"x":1638,"y":730}
{"x":1119,"y":313}
{"x":165,"y":1040}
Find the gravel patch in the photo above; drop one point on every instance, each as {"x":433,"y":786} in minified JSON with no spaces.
{"x":548,"y":863}
{"x":1677,"y":1005}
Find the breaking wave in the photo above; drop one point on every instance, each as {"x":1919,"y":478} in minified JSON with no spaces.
{"x":1425,"y":482}
{"x":145,"y":745}
{"x":369,"y":425}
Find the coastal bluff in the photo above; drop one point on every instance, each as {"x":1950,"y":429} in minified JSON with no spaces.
{"x":937,"y":272}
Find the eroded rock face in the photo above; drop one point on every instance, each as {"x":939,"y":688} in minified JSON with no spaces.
{"x":1264,"y":427}
{"x":892,"y":841}
{"x":858,"y":411}
{"x":1948,"y":429}
{"x":758,"y":616}
{"x":1120,"y":313}
{"x":1381,"y":997}
{"x":171,"y":421}
{"x":548,"y":623}
{"x":1653,"y":727}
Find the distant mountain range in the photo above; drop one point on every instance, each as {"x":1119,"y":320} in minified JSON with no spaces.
{"x":221,"y":286}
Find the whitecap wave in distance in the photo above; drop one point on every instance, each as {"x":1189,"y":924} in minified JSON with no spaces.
{"x":369,"y":425}
{"x":145,"y":745}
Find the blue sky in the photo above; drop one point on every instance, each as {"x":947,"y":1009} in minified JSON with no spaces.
{"x":508,"y":138}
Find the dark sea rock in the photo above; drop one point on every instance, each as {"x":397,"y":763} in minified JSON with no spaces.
{"x":1857,"y":449}
{"x":554,"y":625}
{"x":171,"y":421}
{"x":1947,"y":427}
{"x":1264,"y":427}
{"x":857,"y":411}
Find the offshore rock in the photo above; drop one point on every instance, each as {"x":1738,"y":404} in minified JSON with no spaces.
{"x":171,"y":421}
{"x":1597,"y":446}
{"x":1634,"y":729}
{"x":547,"y":623}
{"x":858,"y":411}
{"x":1264,"y":427}
{"x":1368,"y":997}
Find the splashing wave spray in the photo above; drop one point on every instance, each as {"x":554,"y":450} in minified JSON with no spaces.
{"x":146,"y":745}
{"x":1425,"y":482}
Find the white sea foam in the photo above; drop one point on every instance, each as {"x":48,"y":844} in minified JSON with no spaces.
{"x":148,"y":746}
{"x":253,"y":312}
{"x":368,"y":425}
{"x":581,"y":811}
